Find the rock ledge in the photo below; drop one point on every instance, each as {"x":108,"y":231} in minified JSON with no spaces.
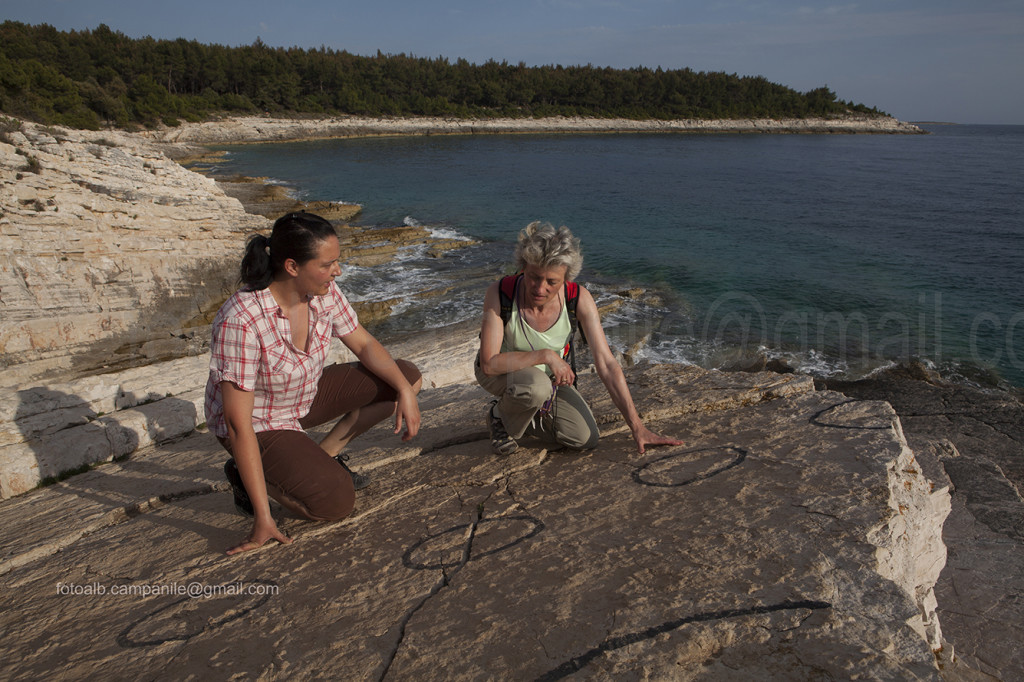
{"x":794,"y":536}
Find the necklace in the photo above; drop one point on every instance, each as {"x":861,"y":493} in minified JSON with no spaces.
{"x":546,"y":408}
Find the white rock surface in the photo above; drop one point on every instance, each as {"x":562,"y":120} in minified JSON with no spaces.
{"x":54,"y":428}
{"x":109,"y":252}
{"x":782,"y":541}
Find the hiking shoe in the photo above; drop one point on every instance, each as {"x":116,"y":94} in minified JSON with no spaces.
{"x":242,"y":502}
{"x":501,"y":442}
{"x":359,"y":481}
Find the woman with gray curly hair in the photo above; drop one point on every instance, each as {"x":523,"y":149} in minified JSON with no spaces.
{"x":526,"y":350}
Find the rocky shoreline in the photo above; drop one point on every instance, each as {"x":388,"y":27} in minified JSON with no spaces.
{"x":977,"y":436}
{"x":103,"y":211}
{"x":116,"y":256}
{"x":113,"y":255}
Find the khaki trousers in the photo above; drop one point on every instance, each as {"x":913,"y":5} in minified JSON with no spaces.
{"x":521,"y":395}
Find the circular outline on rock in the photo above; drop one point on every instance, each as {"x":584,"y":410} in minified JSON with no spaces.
{"x":816,"y":419}
{"x":740,"y":456}
{"x":537,"y":523}
{"x":126,"y":642}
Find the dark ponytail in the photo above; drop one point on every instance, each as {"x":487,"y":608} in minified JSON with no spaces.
{"x":256,"y":272}
{"x":296,"y":236}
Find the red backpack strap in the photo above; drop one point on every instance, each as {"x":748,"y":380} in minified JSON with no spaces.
{"x":572,"y":297}
{"x":506,"y":295}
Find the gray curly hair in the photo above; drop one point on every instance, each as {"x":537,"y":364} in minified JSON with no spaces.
{"x":542,"y":245}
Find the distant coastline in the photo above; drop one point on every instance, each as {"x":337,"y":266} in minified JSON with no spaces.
{"x":260,"y":129}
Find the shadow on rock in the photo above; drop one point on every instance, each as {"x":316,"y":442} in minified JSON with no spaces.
{"x":64,"y":438}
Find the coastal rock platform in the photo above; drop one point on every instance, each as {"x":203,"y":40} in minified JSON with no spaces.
{"x":795,"y":535}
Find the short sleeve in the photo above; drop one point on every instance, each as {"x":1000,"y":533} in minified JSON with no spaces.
{"x":234,"y":353}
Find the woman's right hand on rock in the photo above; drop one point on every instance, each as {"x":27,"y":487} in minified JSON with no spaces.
{"x":261,"y":532}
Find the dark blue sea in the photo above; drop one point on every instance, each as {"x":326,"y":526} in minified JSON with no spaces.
{"x":841,"y":254}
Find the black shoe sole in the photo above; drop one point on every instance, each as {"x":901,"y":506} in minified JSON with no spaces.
{"x":508,"y":443}
{"x":359,"y":481}
{"x":243,"y":505}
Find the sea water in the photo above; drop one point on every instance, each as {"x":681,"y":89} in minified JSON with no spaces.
{"x":838,"y":253}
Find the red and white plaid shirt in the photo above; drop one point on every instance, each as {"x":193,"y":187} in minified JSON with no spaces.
{"x":252,"y":348}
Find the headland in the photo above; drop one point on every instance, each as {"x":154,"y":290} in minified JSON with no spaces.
{"x":267,"y":129}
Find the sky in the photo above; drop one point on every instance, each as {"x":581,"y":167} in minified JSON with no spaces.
{"x":959,"y":61}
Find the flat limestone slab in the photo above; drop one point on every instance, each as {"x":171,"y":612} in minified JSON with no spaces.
{"x":782,"y":541}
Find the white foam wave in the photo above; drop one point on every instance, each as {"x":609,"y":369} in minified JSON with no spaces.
{"x":632,"y":325}
{"x":436,"y":231}
{"x":816,"y":364}
{"x":386,"y":282}
{"x":448,"y":233}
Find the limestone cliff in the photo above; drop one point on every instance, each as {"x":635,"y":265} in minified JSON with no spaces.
{"x":111,"y":254}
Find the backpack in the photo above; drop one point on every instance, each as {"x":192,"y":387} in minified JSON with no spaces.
{"x":506,"y":295}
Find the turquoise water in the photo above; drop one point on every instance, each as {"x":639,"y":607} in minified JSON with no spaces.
{"x":839,"y":253}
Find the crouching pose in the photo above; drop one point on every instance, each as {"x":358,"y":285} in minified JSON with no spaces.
{"x":527,"y":348}
{"x":268,"y":382}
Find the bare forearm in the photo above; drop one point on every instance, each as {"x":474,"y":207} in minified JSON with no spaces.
{"x":503,"y":363}
{"x":377,"y":359}
{"x":615,"y":381}
{"x":379,"y":362}
{"x":246,"y":451}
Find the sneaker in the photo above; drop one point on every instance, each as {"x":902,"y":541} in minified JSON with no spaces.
{"x":242,"y":502}
{"x":501,"y":442}
{"x":359,"y":481}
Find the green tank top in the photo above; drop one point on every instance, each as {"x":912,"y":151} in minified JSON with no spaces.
{"x":520,"y":336}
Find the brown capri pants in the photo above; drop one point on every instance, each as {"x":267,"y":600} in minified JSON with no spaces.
{"x":299,"y":474}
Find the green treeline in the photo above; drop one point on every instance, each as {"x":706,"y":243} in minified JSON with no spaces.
{"x":86,"y":79}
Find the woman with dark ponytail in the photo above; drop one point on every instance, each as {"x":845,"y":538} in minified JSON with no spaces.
{"x":268,"y":382}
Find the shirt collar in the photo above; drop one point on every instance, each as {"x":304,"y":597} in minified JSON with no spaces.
{"x":270,"y":305}
{"x":267,"y":301}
